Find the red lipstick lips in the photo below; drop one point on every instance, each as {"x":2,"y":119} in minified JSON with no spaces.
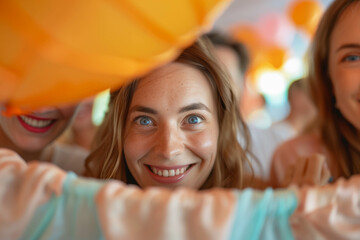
{"x":36,"y":124}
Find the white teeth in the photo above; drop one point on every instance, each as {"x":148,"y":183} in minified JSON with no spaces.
{"x":36,"y":123}
{"x":168,"y":173}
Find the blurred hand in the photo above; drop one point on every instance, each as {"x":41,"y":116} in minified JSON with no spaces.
{"x":311,"y":170}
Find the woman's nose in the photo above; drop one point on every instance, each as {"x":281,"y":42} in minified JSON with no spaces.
{"x":170,"y":141}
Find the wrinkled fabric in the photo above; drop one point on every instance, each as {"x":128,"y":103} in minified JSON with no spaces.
{"x":51,"y":49}
{"x":328,"y":212}
{"x":23,"y":189}
{"x":40,"y":201}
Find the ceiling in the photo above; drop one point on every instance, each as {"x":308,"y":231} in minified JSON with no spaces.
{"x":250,"y":11}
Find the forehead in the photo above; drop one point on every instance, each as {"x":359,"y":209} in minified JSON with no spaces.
{"x":347,"y":28}
{"x":173,"y":81}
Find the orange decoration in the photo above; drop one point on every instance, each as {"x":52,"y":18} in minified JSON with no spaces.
{"x":276,"y":56}
{"x":61,"y":51}
{"x":305,"y":14}
{"x":249,"y":36}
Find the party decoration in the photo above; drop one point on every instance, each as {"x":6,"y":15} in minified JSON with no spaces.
{"x":275,"y":55}
{"x":275,"y":29}
{"x":249,"y":36}
{"x":305,"y":14}
{"x":61,"y":51}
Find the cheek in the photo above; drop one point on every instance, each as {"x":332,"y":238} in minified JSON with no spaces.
{"x":68,"y":112}
{"x":8,"y":124}
{"x":339,"y":90}
{"x":205,"y":145}
{"x":134,"y":147}
{"x":343,"y":83}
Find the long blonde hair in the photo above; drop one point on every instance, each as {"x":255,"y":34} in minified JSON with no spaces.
{"x":108,"y":161}
{"x":338,"y":134}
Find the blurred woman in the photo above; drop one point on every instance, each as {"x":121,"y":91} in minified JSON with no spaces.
{"x":32,"y":136}
{"x":334,"y":84}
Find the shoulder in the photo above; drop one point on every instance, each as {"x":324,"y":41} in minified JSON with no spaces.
{"x":69,"y":158}
{"x":302,"y":145}
{"x":284,"y":130}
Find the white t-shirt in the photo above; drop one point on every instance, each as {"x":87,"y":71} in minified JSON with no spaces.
{"x":284,"y":130}
{"x":264,"y":143}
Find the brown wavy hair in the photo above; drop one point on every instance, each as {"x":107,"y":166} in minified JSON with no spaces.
{"x":338,"y":134}
{"x":107,"y":160}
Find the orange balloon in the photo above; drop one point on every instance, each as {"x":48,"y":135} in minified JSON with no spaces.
{"x":276,"y":56}
{"x":271,"y":57}
{"x":249,"y":36}
{"x":255,"y":68}
{"x":58,"y":52}
{"x":305,"y":14}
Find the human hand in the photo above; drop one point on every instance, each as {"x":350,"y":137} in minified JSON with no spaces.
{"x":9,"y":155}
{"x":311,"y":170}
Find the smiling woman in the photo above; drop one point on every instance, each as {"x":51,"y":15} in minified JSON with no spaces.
{"x":334,"y":84}
{"x":174,"y":140}
{"x":176,"y":126}
{"x":32,"y":136}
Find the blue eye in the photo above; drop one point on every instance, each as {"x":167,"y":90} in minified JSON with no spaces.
{"x":352,"y":58}
{"x":194,"y":119}
{"x":145,"y":121}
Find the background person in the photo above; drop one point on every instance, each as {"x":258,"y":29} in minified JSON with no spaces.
{"x":82,"y":130}
{"x":33,"y":137}
{"x":334,"y":84}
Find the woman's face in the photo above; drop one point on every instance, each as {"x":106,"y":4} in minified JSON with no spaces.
{"x":344,"y":64}
{"x":33,"y":132}
{"x":171,"y":130}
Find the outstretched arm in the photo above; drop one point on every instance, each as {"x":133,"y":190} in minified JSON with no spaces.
{"x":40,"y":201}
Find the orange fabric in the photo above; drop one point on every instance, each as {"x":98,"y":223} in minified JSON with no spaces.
{"x":59,"y":52}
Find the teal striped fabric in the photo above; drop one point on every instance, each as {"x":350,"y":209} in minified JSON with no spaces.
{"x":264,"y":215}
{"x":72,"y":215}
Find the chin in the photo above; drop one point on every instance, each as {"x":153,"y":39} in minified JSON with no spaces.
{"x":31,"y":146}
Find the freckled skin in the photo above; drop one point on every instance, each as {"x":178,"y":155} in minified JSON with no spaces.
{"x":344,"y":64}
{"x":171,"y":139}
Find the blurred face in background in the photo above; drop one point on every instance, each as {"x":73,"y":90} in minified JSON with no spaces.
{"x":344,"y":64}
{"x":231,"y":61}
{"x":34,"y":131}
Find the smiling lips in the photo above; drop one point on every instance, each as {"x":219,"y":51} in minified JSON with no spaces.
{"x":36,"y":124}
{"x":169,"y":174}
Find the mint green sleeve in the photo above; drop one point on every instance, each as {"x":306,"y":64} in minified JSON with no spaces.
{"x":75,"y":213}
{"x":72,"y":215}
{"x":264,"y":214}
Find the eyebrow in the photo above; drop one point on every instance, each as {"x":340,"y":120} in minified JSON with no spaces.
{"x":194,"y":106}
{"x":138,"y":108}
{"x":349,"y":45}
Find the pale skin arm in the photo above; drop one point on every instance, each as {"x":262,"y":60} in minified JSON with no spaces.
{"x":311,"y":170}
